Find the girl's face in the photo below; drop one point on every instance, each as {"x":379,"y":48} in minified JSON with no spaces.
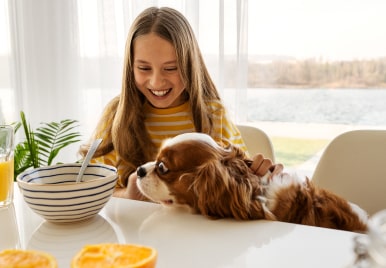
{"x":156,"y":72}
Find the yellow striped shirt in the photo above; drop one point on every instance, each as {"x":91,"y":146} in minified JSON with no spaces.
{"x":169,"y":122}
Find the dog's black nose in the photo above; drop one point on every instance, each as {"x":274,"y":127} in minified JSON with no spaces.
{"x":141,"y":172}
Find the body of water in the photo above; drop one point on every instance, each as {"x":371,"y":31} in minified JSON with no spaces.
{"x":310,"y":114}
{"x":321,"y":106}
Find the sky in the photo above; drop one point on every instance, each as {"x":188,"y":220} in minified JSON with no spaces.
{"x":331,"y":29}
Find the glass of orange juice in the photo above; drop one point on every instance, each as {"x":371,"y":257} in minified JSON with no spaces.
{"x":6,"y":165}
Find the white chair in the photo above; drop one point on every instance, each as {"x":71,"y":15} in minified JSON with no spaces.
{"x":257,"y":141}
{"x":353,"y":166}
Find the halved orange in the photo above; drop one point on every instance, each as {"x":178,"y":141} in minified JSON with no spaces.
{"x":19,"y":258}
{"x":115,"y":255}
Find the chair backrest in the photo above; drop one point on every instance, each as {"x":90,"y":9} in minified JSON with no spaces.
{"x":257,"y":141}
{"x":353,"y":166}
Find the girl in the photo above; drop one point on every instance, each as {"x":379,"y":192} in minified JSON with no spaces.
{"x":166,"y":90}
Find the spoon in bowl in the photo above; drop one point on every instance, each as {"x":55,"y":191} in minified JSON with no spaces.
{"x":87,"y":159}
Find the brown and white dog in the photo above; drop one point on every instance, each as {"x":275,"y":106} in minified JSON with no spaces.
{"x":192,"y":170}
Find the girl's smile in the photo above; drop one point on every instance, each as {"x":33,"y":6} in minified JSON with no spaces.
{"x":160,"y":93}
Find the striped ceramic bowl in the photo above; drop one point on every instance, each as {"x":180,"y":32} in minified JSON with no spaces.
{"x":52,"y":191}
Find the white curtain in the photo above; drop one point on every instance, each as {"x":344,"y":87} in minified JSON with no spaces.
{"x":63,"y":59}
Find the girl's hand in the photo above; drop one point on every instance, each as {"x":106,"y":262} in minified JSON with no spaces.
{"x":261,"y":165}
{"x":131,"y":191}
{"x":276,"y":169}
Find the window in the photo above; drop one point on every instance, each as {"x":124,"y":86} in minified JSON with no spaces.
{"x":315,"y":69}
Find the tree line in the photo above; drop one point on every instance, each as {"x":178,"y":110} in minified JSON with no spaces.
{"x":313,"y":73}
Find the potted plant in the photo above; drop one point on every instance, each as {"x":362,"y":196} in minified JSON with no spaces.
{"x":41,"y":146}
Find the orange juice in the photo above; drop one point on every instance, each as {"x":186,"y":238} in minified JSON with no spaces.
{"x":6,"y":181}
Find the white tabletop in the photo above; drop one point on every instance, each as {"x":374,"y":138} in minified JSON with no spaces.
{"x":182,"y":239}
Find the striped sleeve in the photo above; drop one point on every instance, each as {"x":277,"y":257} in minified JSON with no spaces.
{"x":225,"y":131}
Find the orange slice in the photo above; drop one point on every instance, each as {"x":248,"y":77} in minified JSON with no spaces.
{"x":18,"y":258}
{"x":115,"y":255}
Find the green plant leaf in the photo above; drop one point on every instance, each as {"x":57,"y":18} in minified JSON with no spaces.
{"x":42,"y":146}
{"x":22,"y":158}
{"x":52,"y":137}
{"x":32,"y":145}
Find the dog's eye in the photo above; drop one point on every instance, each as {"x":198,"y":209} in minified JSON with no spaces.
{"x":162,"y":169}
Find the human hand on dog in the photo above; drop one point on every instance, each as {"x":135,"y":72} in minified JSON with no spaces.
{"x":131,"y":191}
{"x":261,"y":165}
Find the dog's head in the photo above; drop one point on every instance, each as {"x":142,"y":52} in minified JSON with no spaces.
{"x":193,"y":170}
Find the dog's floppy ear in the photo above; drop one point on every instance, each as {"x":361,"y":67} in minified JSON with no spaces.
{"x":221,"y":192}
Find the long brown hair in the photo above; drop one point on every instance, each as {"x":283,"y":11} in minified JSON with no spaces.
{"x":128,"y":133}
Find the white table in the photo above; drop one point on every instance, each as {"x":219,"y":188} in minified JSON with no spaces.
{"x":182,"y":239}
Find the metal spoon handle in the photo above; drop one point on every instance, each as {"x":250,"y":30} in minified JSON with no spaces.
{"x":87,"y":159}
